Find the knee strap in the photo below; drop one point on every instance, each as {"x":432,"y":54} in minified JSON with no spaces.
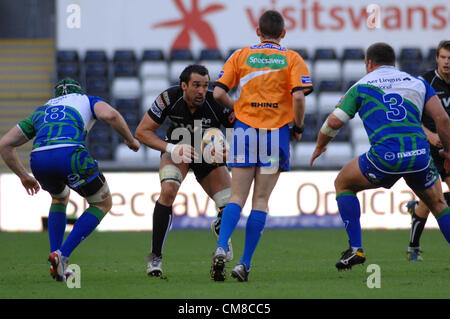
{"x":170,"y":173}
{"x":100,"y":196}
{"x":63,"y":194}
{"x":221,"y":198}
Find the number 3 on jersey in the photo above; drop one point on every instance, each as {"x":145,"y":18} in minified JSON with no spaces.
{"x":397,"y":111}
{"x":54,"y":113}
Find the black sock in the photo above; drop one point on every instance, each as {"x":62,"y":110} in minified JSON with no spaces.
{"x":417,"y":226}
{"x":219,"y":214}
{"x":162,"y":219}
{"x":219,"y":219}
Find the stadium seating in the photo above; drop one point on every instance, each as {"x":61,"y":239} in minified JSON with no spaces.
{"x":213,"y":61}
{"x":96,"y":69}
{"x":147,"y":101}
{"x":179,"y":59}
{"x":410,"y":54}
{"x":126,"y":88}
{"x":302,"y":51}
{"x":429,"y":62}
{"x":123,"y":154}
{"x":310,"y":125}
{"x":329,"y":86}
{"x":325,"y":54}
{"x":353,"y":70}
{"x":301,"y":154}
{"x":154,"y":85}
{"x":97,"y":84}
{"x":67,"y":56}
{"x":410,"y":60}
{"x":68,"y":69}
{"x":326,"y":70}
{"x":326,"y":65}
{"x":95,"y":56}
{"x":124,"y":63}
{"x":327,"y":101}
{"x":100,"y":133}
{"x":130,"y":110}
{"x":338,"y":153}
{"x":152,"y":158}
{"x":154,"y":69}
{"x":152,"y":55}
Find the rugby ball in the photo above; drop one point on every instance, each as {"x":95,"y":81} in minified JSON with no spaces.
{"x":213,"y":138}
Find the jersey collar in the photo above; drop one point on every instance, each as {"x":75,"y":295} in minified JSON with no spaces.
{"x":271,"y":42}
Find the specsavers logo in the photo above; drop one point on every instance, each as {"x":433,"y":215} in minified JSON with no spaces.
{"x":260,"y":61}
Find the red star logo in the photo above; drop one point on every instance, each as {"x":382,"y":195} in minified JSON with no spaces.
{"x":192,"y":21}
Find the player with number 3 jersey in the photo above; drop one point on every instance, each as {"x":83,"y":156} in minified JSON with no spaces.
{"x":390,"y":104}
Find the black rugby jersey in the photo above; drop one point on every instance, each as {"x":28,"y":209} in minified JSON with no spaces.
{"x":442,"y":89}
{"x":170,"y":104}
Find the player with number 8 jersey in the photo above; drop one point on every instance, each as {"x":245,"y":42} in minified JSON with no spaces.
{"x":60,"y":161}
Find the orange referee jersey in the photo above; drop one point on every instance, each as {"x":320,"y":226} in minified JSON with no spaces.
{"x":267,"y":75}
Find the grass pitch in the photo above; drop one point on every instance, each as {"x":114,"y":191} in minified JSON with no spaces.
{"x":287,"y":264}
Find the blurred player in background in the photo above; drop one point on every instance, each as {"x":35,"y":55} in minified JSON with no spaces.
{"x":390,"y":103}
{"x":59,"y":160}
{"x":273,"y":82}
{"x":182,"y":105}
{"x":439,"y":79}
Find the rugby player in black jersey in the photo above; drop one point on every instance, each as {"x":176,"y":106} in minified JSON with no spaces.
{"x":439,"y":79}
{"x":189,"y":107}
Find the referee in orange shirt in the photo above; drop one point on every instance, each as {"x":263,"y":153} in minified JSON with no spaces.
{"x":272,"y":83}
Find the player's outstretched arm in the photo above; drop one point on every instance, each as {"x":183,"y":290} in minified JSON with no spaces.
{"x":108,"y":114}
{"x":8,"y":143}
{"x":329,"y":130}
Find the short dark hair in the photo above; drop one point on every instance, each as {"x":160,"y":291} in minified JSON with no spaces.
{"x":271,"y":24}
{"x":444,"y":44}
{"x":185,"y":76}
{"x":381,"y":54}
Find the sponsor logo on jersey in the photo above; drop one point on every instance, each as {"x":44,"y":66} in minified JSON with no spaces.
{"x":160,"y":103}
{"x":421,"y":151}
{"x":220,"y":75}
{"x":261,"y":60}
{"x":446,"y":101}
{"x":166,"y":97}
{"x":206,"y":121}
{"x":75,"y":180}
{"x":264,"y":105}
{"x":155,"y":110}
{"x":306,"y":80}
{"x":389,"y":156}
{"x":430,"y":178}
